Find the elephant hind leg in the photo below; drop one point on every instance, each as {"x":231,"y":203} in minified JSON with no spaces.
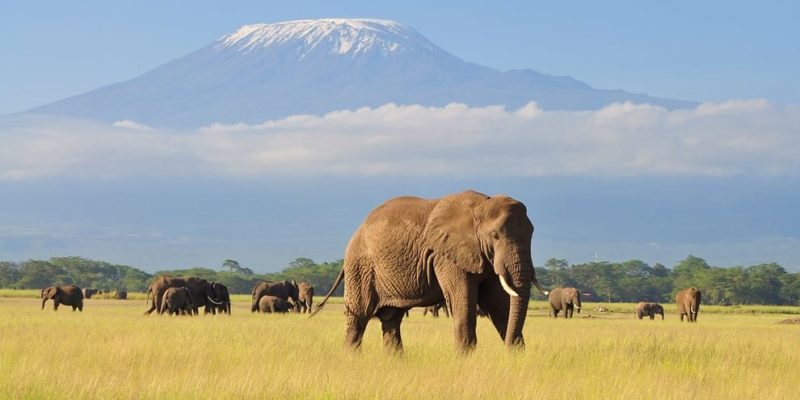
{"x":355,"y":331}
{"x":391,"y":318}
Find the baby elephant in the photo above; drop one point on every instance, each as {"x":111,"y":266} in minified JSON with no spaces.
{"x":649,"y":309}
{"x":272,"y":304}
{"x":177,"y":300}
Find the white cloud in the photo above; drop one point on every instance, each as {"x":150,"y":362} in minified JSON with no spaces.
{"x":749,"y":137}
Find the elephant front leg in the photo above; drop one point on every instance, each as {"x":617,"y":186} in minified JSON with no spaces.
{"x":494,"y":301}
{"x":463,"y":299}
{"x":390,"y":324}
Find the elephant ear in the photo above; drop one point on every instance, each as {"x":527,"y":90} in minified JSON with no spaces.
{"x":451,"y":231}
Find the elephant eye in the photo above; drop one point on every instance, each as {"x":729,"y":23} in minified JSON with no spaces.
{"x":495,"y":235}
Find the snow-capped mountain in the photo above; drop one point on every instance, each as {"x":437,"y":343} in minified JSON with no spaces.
{"x":268,"y":71}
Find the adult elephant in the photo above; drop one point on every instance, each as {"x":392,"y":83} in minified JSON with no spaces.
{"x":467,"y":248}
{"x":688,"y":302}
{"x":305,"y":297}
{"x":564,"y":299}
{"x":649,"y":309}
{"x":121,"y":295}
{"x":177,"y":300}
{"x":202,"y":294}
{"x":69,"y":295}
{"x":223,"y":296}
{"x":88,"y":293}
{"x":286,"y":290}
{"x":434,"y":309}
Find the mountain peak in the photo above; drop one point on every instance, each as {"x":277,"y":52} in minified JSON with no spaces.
{"x":334,"y":35}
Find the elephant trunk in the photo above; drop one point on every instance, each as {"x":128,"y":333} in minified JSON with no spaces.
{"x":516,"y":275}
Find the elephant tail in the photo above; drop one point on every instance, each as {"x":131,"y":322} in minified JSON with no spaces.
{"x":333,"y":289}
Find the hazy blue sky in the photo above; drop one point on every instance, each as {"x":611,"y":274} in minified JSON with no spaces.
{"x":720,"y":181}
{"x":703,"y":51}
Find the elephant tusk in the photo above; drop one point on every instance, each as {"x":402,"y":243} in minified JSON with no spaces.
{"x":546,"y":292}
{"x":215,"y":302}
{"x":507,"y":288}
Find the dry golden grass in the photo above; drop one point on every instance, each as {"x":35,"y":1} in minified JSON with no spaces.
{"x":112,"y":351}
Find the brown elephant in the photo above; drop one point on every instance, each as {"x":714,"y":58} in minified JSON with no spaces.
{"x":69,"y":295}
{"x":200,"y":289}
{"x":649,"y":309}
{"x":467,"y":248}
{"x":564,"y":299}
{"x":286,"y":290}
{"x":177,"y":300}
{"x":223,"y":296}
{"x":688,"y":302}
{"x":305,"y":297}
{"x":272,"y":304}
{"x":434,"y":309}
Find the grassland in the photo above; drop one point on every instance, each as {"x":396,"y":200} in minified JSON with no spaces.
{"x":112,"y":351}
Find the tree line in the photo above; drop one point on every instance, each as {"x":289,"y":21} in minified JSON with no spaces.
{"x":628,"y":281}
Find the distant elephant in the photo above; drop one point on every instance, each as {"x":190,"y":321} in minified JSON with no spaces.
{"x":305,"y":297}
{"x":286,"y":290}
{"x":223,"y":296}
{"x":272,"y":304}
{"x":649,"y":309}
{"x":120,"y":295}
{"x":88,"y":293}
{"x":434,"y":309}
{"x":177,"y":300}
{"x":200,"y":289}
{"x":69,"y":295}
{"x":466,"y":248}
{"x":564,"y":299}
{"x":688,"y":302}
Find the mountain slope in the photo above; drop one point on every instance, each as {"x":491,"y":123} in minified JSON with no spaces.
{"x":268,"y":71}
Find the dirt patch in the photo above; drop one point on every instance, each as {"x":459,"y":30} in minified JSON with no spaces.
{"x":791,"y":321}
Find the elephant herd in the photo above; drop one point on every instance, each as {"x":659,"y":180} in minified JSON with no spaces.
{"x":468,"y":251}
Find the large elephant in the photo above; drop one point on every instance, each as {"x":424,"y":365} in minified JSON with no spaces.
{"x":200,"y":289}
{"x":688,"y":302}
{"x":223,"y":296}
{"x":434,"y":309}
{"x":69,"y":295}
{"x":466,"y":248}
{"x":287,"y":290}
{"x":649,"y":309}
{"x":272,"y":304}
{"x":177,"y":300}
{"x":564,"y":299}
{"x":305,"y":297}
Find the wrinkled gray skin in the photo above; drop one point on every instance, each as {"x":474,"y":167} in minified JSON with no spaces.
{"x":286,"y":290}
{"x":434,"y":309}
{"x":466,"y":248}
{"x":272,"y":304}
{"x":564,"y":299}
{"x":177,"y":300}
{"x":200,"y":289}
{"x":222,"y":295}
{"x":305,"y":297}
{"x":688,"y":302}
{"x":649,"y":309}
{"x":69,"y":295}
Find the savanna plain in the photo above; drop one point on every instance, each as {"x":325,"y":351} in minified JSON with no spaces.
{"x":112,"y":351}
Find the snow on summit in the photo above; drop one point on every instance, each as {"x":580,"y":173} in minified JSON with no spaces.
{"x":337,"y":36}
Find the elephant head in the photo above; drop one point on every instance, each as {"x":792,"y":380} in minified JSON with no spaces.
{"x":49,"y":293}
{"x":481,"y":234}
